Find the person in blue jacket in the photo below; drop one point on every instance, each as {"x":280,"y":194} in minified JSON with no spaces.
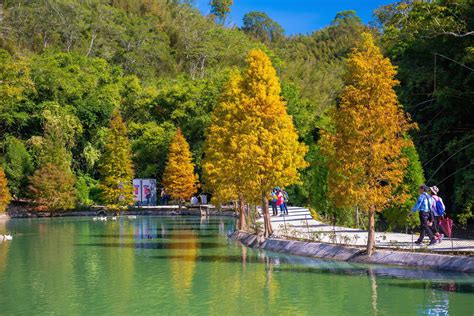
{"x":423,"y":207}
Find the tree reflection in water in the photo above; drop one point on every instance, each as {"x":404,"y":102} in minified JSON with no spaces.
{"x":182,"y":272}
{"x":4,"y":246}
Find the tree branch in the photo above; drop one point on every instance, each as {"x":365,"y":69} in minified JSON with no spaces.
{"x":457,"y":34}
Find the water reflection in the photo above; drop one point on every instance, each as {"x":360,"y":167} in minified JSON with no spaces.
{"x":373,"y":288}
{"x":275,"y":263}
{"x":158,"y":235}
{"x":166,"y":244}
{"x":182,"y":272}
{"x":189,"y":266}
{"x":119,"y":267}
{"x":4,"y":246}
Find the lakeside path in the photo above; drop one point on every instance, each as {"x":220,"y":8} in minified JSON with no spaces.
{"x":299,"y":224}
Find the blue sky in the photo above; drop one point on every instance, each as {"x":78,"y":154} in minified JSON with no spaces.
{"x":299,"y":16}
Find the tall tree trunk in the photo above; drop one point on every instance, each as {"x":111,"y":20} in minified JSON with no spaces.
{"x":371,"y":237}
{"x":357,"y":216}
{"x":266,"y":216}
{"x":242,"y":223}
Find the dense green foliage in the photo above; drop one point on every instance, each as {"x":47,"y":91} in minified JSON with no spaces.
{"x":69,"y":64}
{"x":260,"y":26}
{"x":52,"y":183}
{"x":433,"y":46}
{"x":18,"y":166}
{"x":398,"y":214}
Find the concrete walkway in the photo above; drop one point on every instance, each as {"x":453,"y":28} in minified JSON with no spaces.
{"x":299,"y":224}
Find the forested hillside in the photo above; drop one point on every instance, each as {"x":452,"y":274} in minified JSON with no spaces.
{"x":66,"y":65}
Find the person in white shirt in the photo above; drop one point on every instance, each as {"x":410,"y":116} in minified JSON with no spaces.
{"x":438,"y":210}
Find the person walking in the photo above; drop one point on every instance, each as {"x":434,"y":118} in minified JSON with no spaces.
{"x":281,"y":202}
{"x":439,"y":210}
{"x":273,"y":200}
{"x":162,"y":196}
{"x":423,"y":207}
{"x":286,"y":198}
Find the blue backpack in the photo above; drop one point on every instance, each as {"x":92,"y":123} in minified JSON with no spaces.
{"x":440,"y":207}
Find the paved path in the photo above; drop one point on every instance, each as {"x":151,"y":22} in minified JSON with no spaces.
{"x":300,"y":224}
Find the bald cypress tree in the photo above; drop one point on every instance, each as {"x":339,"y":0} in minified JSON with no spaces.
{"x":275,"y":155}
{"x":364,"y":148}
{"x":179,"y":178}
{"x":116,"y":166}
{"x":225,"y":169}
{"x":252,"y":142}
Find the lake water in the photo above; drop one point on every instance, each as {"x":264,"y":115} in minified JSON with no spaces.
{"x":187,"y":265}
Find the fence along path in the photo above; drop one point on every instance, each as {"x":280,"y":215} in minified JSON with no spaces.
{"x":300,"y":224}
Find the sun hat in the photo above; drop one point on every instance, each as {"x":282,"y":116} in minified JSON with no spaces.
{"x":434,"y":189}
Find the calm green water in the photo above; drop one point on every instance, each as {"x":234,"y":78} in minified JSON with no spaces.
{"x":182,"y":266}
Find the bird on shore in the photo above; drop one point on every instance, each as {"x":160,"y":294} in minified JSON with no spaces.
{"x":100,"y":218}
{"x":6,"y":237}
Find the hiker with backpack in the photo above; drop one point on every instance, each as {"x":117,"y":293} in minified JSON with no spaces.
{"x":438,"y":209}
{"x":423,"y":207}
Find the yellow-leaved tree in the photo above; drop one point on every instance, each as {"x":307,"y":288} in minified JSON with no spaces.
{"x":116,"y":167}
{"x":5,"y":196}
{"x":225,"y":165}
{"x":275,"y":155}
{"x":252,"y":141}
{"x":364,"y":147}
{"x":179,"y":177}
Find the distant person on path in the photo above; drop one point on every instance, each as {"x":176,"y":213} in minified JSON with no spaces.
{"x":423,"y":207}
{"x":281,"y":202}
{"x":274,"y":202}
{"x":147,"y":194}
{"x":439,"y":211}
{"x":164,"y":197}
{"x":285,"y":201}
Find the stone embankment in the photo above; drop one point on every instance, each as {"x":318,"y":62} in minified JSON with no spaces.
{"x":356,"y":254}
{"x":300,"y":225}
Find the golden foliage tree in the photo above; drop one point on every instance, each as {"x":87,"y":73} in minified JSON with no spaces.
{"x":364,"y":148}
{"x":116,"y":167}
{"x":5,"y":196}
{"x":179,"y":177}
{"x":224,"y":165}
{"x":252,"y":141}
{"x":274,"y":152}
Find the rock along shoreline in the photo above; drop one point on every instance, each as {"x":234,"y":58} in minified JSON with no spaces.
{"x":463,"y":264}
